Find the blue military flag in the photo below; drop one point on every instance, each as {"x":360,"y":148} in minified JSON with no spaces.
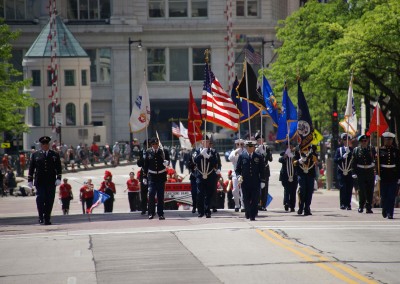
{"x":304,"y":125}
{"x":98,"y":198}
{"x":246,"y":109}
{"x":269,"y":199}
{"x":270,"y":102}
{"x":288,"y":118}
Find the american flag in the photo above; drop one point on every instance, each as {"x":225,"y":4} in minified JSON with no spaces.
{"x":252,"y":56}
{"x":175,"y":130}
{"x":216,"y":105}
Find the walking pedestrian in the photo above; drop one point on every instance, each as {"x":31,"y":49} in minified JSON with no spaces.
{"x":108,"y":187}
{"x":132,"y":185}
{"x":65,"y":195}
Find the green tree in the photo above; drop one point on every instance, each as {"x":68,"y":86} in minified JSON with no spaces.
{"x":325,"y":43}
{"x":13,"y":100}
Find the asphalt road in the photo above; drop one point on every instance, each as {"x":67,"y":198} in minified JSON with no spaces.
{"x":331,"y":246}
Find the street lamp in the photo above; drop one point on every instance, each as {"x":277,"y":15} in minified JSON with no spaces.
{"x":130,"y":84}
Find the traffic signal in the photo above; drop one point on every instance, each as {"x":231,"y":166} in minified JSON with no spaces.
{"x":335,"y":125}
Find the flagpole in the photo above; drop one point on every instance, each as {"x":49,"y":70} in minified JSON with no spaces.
{"x":261,"y":117}
{"x":378,"y":123}
{"x":247,"y":93}
{"x":172,"y":132}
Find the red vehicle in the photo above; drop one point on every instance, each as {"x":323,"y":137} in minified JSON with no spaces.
{"x":177,"y":193}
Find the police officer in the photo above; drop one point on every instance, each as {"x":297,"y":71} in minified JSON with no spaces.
{"x":305,"y":163}
{"x":343,"y":158}
{"x":155,"y":174}
{"x":236,"y":188}
{"x":45,"y":169}
{"x":288,"y":178}
{"x":363,"y":170}
{"x":143,"y":187}
{"x":265,"y":151}
{"x":389,"y":170}
{"x":206,"y":161}
{"x":250,"y":170}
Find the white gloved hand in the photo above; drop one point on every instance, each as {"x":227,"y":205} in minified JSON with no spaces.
{"x":347,"y":150}
{"x":30,"y":185}
{"x":165,"y":163}
{"x":204,"y":153}
{"x":218,"y":172}
{"x":240,"y":179}
{"x":262,"y":184}
{"x":288,"y":151}
{"x":345,"y":155}
{"x":354,"y":176}
{"x":238,"y":151}
{"x":261,"y":149}
{"x":398,"y":181}
{"x":58,"y":182}
{"x":290,"y":155}
{"x":377,"y":178}
{"x":145,"y":181}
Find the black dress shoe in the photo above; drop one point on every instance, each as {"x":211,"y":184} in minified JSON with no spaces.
{"x":242,"y":210}
{"x":300,"y":211}
{"x":292,"y":210}
{"x":236,"y":209}
{"x":348,"y":208}
{"x":247,"y":216}
{"x":41,"y":221}
{"x":369,"y":211}
{"x":208,"y":215}
{"x":286,"y":207}
{"x":215,"y":210}
{"x":342,"y":207}
{"x":161,"y":217}
{"x":143,"y":213}
{"x":200,"y":215}
{"x":263,"y":208}
{"x":307,"y":213}
{"x":151,"y":216}
{"x":194,"y":210}
{"x":384,"y":214}
{"x":252,"y":219}
{"x":360,"y":210}
{"x":390,"y":217}
{"x":47,"y":223}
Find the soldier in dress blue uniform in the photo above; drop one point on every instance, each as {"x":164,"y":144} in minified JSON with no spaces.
{"x":155,"y":175}
{"x":45,"y":175}
{"x":251,"y":169}
{"x":305,"y":163}
{"x":343,"y":158}
{"x":288,"y":178}
{"x":363,"y":170}
{"x":143,"y":187}
{"x":193,"y":184}
{"x":389,"y":169}
{"x":264,"y":150}
{"x":206,"y":161}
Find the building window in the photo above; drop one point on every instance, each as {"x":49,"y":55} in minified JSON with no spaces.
{"x":70,"y":114}
{"x":198,"y":63}
{"x":247,"y":8}
{"x":178,"y":8}
{"x":156,"y":64}
{"x":86,"y":114}
{"x":84,"y":77}
{"x":239,"y":56}
{"x":36,"y":78}
{"x":178,"y":64}
{"x":100,"y":63}
{"x":69,"y":77}
{"x":20,"y":10}
{"x":36,"y":115}
{"x":88,"y":9}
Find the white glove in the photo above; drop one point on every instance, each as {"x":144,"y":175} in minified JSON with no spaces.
{"x":218,"y":172}
{"x":262,"y":184}
{"x":290,"y":154}
{"x":261,"y":149}
{"x":347,"y":150}
{"x":377,"y":178}
{"x":288,"y":151}
{"x":145,"y":181}
{"x":345,"y":155}
{"x":354,"y":176}
{"x":165,"y":163}
{"x":238,"y":151}
{"x":398,"y":181}
{"x":240,"y":179}
{"x":204,"y":153}
{"x":30,"y":185}
{"x":58,"y":182}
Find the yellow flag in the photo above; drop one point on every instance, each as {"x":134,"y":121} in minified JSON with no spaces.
{"x":317,"y":137}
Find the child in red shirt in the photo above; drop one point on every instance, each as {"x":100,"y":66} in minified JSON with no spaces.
{"x":132,"y":185}
{"x":65,"y":195}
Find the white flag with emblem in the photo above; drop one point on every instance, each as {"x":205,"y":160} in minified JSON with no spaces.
{"x":140,"y":116}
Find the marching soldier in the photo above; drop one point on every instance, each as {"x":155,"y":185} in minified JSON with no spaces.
{"x":363,"y":170}
{"x":155,"y":175}
{"x":206,"y":161}
{"x":250,"y":172}
{"x":193,"y":184}
{"x":389,"y":167}
{"x":236,"y":188}
{"x":305,"y":167}
{"x":45,"y":169}
{"x":266,"y":153}
{"x":343,"y":158}
{"x":143,"y":187}
{"x":288,"y":178}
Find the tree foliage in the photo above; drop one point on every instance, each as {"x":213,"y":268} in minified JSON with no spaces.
{"x":13,"y":101}
{"x":325,"y":43}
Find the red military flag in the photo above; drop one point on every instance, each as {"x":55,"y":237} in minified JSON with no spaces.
{"x":378,"y":122}
{"x":194,"y":120}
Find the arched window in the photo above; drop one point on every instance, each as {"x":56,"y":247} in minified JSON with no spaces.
{"x":50,"y":113}
{"x":36,"y":115}
{"x":86,"y":114}
{"x":70,"y":114}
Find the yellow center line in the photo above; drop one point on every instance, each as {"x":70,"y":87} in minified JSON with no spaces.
{"x":308,"y":254}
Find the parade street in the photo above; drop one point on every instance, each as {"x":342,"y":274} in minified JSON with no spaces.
{"x":331,"y":246}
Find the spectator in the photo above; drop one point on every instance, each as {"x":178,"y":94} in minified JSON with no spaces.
{"x":11,"y":183}
{"x":95,"y":151}
{"x":116,"y":153}
{"x":65,"y":195}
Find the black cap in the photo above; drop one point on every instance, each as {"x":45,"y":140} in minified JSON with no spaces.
{"x":154,"y":140}
{"x":44,"y":139}
{"x":361,"y":137}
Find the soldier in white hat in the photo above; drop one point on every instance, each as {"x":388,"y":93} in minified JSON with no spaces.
{"x":388,"y":168}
